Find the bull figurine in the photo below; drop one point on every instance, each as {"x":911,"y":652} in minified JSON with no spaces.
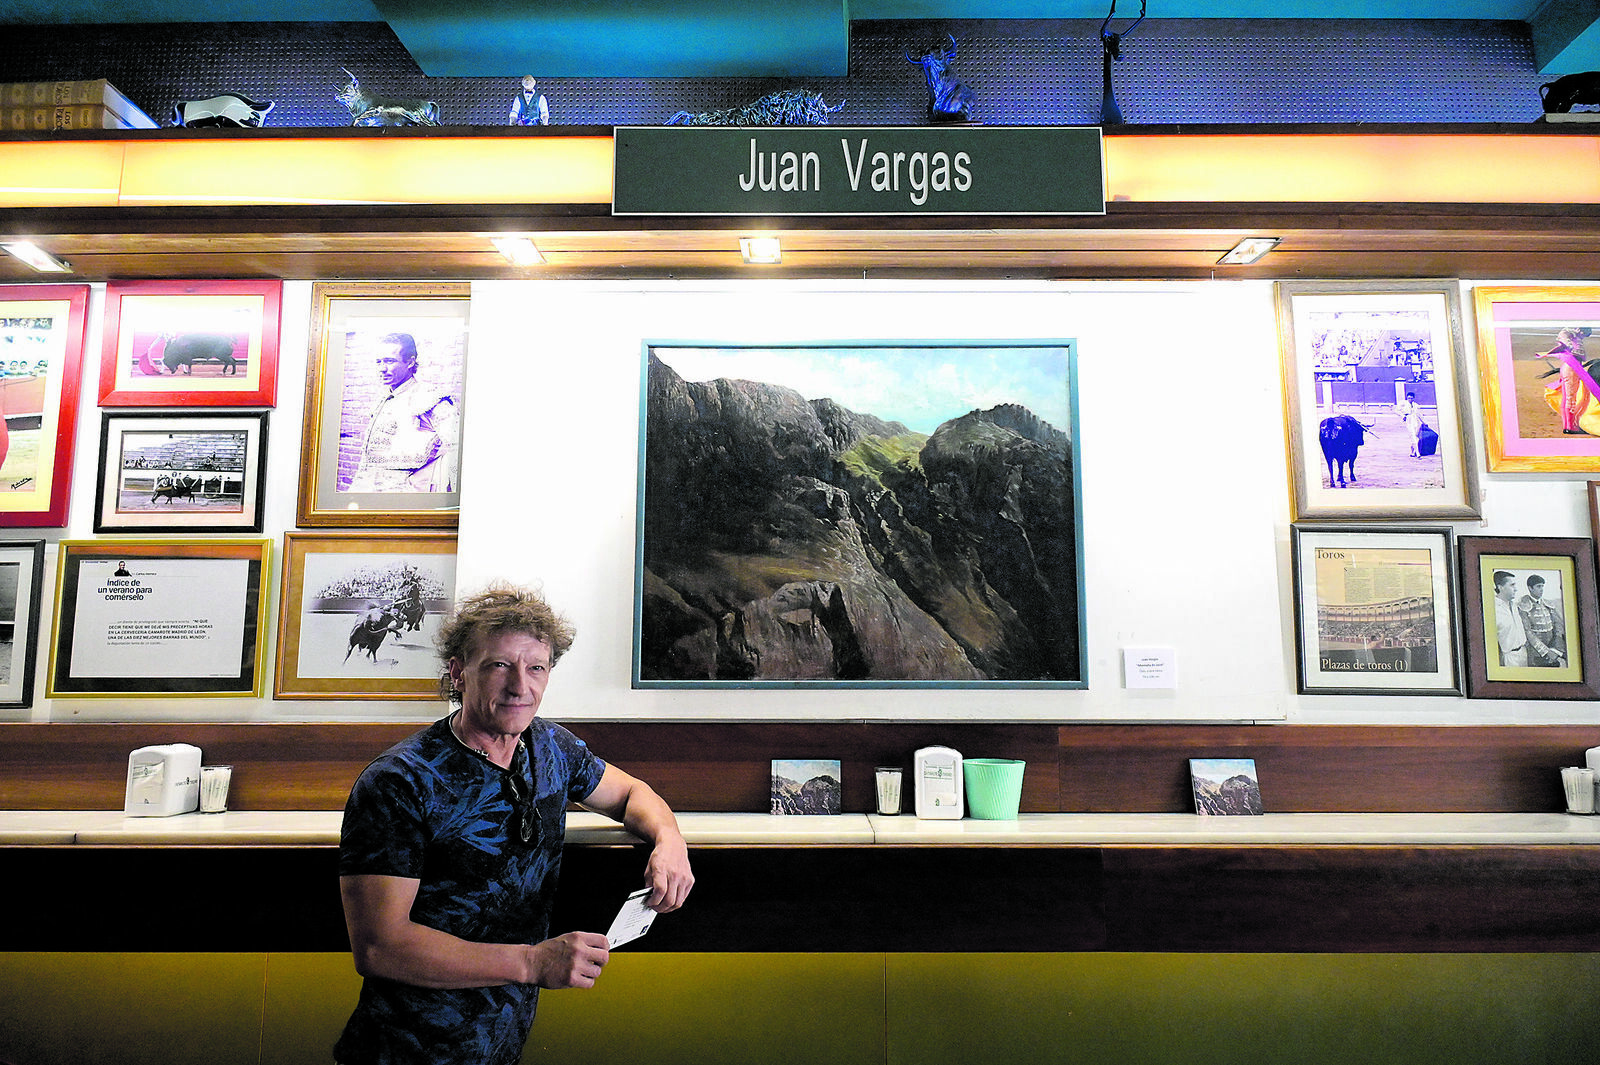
{"x":1111,"y":50}
{"x":229,"y":109}
{"x":369,"y":110}
{"x":949,"y":98}
{"x":1566,"y":92}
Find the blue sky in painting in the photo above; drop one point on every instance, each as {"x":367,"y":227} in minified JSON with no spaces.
{"x":921,"y":387}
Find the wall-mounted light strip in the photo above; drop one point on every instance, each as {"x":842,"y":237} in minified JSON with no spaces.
{"x":761,"y":251}
{"x":1248,"y":251}
{"x":36,"y":257}
{"x":518,"y":250}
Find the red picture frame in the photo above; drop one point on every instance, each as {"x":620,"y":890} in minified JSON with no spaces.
{"x":44,"y":326}
{"x":191,"y":344}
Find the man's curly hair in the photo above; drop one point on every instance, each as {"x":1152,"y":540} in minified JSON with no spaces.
{"x":502,"y":607}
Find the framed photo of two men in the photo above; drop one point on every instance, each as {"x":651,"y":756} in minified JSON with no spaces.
{"x":1529,"y":615}
{"x":384,"y":382}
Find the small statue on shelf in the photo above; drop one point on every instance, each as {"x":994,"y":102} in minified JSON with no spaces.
{"x":369,"y":110}
{"x":787,"y":107}
{"x":229,"y":109}
{"x":528,"y":107}
{"x":949,"y":98}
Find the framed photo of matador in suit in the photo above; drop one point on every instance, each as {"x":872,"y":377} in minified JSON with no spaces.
{"x":382,"y":442}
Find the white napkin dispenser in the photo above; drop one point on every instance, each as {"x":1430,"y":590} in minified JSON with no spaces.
{"x":163,"y":780}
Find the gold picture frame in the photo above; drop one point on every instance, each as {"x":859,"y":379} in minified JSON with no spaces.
{"x":372,"y":453}
{"x":343,"y":598}
{"x":1524,"y":367}
{"x":1374,"y":385}
{"x":159,"y":617}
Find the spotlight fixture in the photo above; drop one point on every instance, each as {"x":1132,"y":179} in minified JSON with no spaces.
{"x":1248,"y":251}
{"x":36,"y":257}
{"x":760,"y":251}
{"x":519,"y":251}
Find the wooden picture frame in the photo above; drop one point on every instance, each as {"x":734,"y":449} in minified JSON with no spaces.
{"x":331,"y":643}
{"x":1375,"y":611}
{"x":39,"y":402}
{"x":1374,"y":371}
{"x":752,"y":573}
{"x":372,"y":454}
{"x":1531,"y":364}
{"x":166,"y":472}
{"x":1507,"y":656}
{"x":191,"y":344}
{"x":21,"y":596}
{"x":159,"y":617}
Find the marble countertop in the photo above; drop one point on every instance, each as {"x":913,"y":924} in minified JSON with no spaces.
{"x":251,"y":828}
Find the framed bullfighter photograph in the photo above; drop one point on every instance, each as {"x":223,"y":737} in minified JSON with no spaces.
{"x":1373,"y":382}
{"x":192,"y":473}
{"x":359,"y":612}
{"x":1375,"y":611}
{"x":1529,"y":612}
{"x":41,"y":355}
{"x":382,"y":441}
{"x":1540,"y":378}
{"x":154,"y":617}
{"x":859,"y":515}
{"x":190,"y":344}
{"x":21,"y":577}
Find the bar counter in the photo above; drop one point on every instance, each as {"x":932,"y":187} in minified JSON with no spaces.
{"x":112,"y":828}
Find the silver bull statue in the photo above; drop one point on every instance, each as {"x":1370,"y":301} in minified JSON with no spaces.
{"x":367,"y":109}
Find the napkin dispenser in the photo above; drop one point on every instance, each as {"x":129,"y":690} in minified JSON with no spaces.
{"x":163,"y":780}
{"x":937,"y":778}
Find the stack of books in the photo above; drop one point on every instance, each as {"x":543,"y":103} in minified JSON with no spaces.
{"x":43,"y":106}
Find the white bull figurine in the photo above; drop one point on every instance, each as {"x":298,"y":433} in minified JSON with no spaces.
{"x":229,"y":109}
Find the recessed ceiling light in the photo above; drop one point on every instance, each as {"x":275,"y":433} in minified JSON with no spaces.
{"x":36,"y":257}
{"x":519,"y":251}
{"x":1248,"y":251}
{"x":760,"y":250}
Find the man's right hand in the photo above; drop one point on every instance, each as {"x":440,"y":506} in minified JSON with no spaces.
{"x":571,"y":960}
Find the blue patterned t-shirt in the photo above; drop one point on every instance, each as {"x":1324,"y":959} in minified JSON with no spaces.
{"x":432,"y":810}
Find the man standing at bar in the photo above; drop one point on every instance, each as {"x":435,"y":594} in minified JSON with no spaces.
{"x":451,"y":847}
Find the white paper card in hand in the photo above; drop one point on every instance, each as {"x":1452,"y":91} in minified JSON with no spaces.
{"x":632,"y":921}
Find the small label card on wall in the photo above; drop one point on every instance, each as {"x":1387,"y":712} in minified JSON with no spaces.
{"x":1149,"y":667}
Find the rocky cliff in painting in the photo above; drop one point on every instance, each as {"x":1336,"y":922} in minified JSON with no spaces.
{"x":1236,"y":795}
{"x":819,"y":795}
{"x":793,"y":539}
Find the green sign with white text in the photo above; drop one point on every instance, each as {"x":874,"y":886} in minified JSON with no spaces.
{"x":834,"y":170}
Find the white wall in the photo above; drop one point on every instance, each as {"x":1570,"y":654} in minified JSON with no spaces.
{"x":1185,"y":493}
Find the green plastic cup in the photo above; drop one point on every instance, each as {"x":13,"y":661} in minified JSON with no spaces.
{"x":994,"y":787}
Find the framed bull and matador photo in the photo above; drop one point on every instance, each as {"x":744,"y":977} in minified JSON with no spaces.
{"x":161,"y":471}
{"x":358,"y":614}
{"x":1538,"y":367}
{"x":190,"y":344}
{"x":1375,"y":611}
{"x":156,"y":617}
{"x":1373,"y":385}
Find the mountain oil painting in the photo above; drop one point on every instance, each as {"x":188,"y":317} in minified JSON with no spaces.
{"x":859,"y":515}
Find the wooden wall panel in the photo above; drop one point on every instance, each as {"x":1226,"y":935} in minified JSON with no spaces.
{"x":711,"y":767}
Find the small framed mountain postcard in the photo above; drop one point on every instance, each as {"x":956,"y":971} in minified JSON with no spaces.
{"x":1225,"y":786}
{"x":806,"y":786}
